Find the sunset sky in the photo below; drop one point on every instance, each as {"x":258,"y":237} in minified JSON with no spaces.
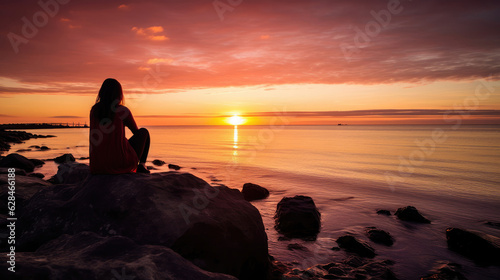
{"x":198,"y":62}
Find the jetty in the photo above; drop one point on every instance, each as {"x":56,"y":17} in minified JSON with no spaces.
{"x":42,"y":125}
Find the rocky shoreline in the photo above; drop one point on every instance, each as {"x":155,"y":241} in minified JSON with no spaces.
{"x":10,"y":136}
{"x":173,"y":225}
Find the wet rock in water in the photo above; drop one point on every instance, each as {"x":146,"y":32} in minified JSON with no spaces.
{"x":350,"y":268}
{"x":213,"y":228}
{"x":481,"y":248}
{"x":37,"y":175}
{"x":34,"y":147}
{"x":83,"y":158}
{"x":411,"y":214}
{"x":174,"y":167}
{"x":351,"y":244}
{"x":37,"y":162}
{"x":23,"y":150}
{"x":384,"y":212}
{"x":64,"y":158}
{"x":493,"y":224}
{"x":253,"y":192}
{"x":158,"y":162}
{"x":297,"y":217}
{"x":379,"y":236}
{"x":149,"y":167}
{"x":70,"y":173}
{"x":296,"y":246}
{"x":86,"y":255}
{"x":17,"y":161}
{"x":450,"y":271}
{"x":44,"y":148}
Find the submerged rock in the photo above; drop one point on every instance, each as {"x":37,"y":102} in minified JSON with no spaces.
{"x":214,"y":228}
{"x":384,"y":212}
{"x":351,"y":244}
{"x":473,"y":246}
{"x":411,"y":214}
{"x":158,"y":162}
{"x":17,"y":161}
{"x":297,"y":217}
{"x":253,"y":192}
{"x":174,"y":167}
{"x":379,"y":236}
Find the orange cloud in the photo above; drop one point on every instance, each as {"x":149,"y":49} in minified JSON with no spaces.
{"x":124,"y":7}
{"x":151,"y":33}
{"x":159,"y":60}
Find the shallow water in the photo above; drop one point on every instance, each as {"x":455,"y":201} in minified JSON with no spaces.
{"x":451,"y":175}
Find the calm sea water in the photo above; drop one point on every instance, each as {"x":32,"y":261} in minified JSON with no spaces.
{"x":451,"y":175}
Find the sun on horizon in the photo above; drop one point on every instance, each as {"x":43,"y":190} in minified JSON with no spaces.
{"x":236,"y":120}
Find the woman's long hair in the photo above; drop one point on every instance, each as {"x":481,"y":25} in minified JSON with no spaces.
{"x":110,"y":95}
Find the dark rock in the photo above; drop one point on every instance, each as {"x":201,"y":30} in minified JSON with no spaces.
{"x":297,"y":217}
{"x":384,"y":212}
{"x":87,"y":255}
{"x":214,"y":228}
{"x":34,"y":146}
{"x":350,"y":268}
{"x":83,"y":158}
{"x":17,"y":161}
{"x":174,"y":167}
{"x":23,"y":150}
{"x":158,"y":162}
{"x":64,"y":158}
{"x":450,"y":271}
{"x":493,"y":224}
{"x":44,"y":148}
{"x":411,"y":214}
{"x":37,"y":175}
{"x":379,"y":236}
{"x":481,"y":249}
{"x":296,"y":246}
{"x":26,"y":187}
{"x":70,"y":173}
{"x":351,"y":244}
{"x":37,"y":162}
{"x":253,"y":192}
{"x":149,"y":167}
{"x":18,"y":171}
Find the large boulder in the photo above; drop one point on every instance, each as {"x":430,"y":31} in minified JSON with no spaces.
{"x":253,"y":192}
{"x":17,"y":161}
{"x":70,"y":173}
{"x":86,"y":255}
{"x":479,"y":247}
{"x":297,"y":217}
{"x":215,"y":228}
{"x":25,"y":188}
{"x":411,"y":214}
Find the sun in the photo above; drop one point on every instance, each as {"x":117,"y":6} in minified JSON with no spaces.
{"x":236,"y":120}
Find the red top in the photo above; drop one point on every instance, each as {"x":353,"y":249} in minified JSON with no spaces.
{"x":110,"y":151}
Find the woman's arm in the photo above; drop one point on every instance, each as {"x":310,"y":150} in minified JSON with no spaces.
{"x":128,"y":120}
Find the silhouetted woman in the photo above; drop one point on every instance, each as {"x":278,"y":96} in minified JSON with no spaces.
{"x":110,"y":151}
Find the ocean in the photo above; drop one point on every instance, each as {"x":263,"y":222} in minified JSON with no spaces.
{"x":450,"y":174}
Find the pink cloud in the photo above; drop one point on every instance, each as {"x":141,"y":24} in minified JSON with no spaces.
{"x":258,"y":42}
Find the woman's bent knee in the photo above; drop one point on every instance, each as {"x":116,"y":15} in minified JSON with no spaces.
{"x":143,"y":131}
